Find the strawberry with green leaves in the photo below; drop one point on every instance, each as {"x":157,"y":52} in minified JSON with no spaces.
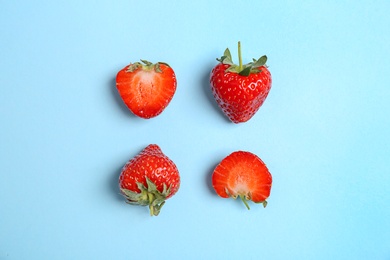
{"x":149,"y":179}
{"x":240,"y":90}
{"x":146,"y":88}
{"x":242,"y":174}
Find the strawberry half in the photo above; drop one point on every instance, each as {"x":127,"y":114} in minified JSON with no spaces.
{"x":240,"y":90}
{"x":149,"y":179}
{"x":242,"y":174}
{"x":146,"y":88}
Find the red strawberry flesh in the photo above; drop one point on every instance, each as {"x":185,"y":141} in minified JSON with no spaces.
{"x":145,"y":90}
{"x":242,"y":174}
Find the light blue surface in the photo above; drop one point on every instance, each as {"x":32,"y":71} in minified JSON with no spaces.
{"x":323,"y":131}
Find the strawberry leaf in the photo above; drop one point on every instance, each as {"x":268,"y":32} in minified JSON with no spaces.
{"x":232,"y":68}
{"x":157,"y":68}
{"x":135,"y":198}
{"x":147,"y":63}
{"x":133,"y":67}
{"x":227,"y":53}
{"x":141,"y":186}
{"x":262,"y":202}
{"x":148,"y":196}
{"x":228,"y":61}
{"x":242,"y":69}
{"x":151,"y":186}
{"x":131,"y":195}
{"x":260,"y":62}
{"x":246,"y":71}
{"x":226,"y":58}
{"x":166,"y":190}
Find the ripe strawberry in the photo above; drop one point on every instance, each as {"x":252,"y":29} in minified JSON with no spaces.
{"x":245,"y":175}
{"x":240,"y":90}
{"x":146,"y":88}
{"x":149,"y":179}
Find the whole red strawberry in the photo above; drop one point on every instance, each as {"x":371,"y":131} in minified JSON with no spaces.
{"x":242,"y":174}
{"x":146,"y":88}
{"x":240,"y":90}
{"x":149,"y":179}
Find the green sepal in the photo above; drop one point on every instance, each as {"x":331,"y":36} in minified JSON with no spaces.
{"x":151,"y":186}
{"x":157,"y":68}
{"x":146,"y":65}
{"x":149,"y":196}
{"x":242,"y":69}
{"x":135,"y":198}
{"x":141,"y":186}
{"x":226,"y":58}
{"x":246,"y":71}
{"x":227,"y":54}
{"x":133,"y":67}
{"x":233,"y":68}
{"x":245,"y":198}
{"x":260,"y":62}
{"x":166,"y":64}
{"x":265,"y":203}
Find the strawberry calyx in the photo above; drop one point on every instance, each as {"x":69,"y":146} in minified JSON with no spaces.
{"x":149,"y":196}
{"x":245,"y":198}
{"x":146,"y":65}
{"x":242,"y":69}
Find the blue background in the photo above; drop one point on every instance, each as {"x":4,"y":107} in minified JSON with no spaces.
{"x":323,"y":130}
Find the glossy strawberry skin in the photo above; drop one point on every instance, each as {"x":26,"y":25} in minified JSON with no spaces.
{"x":242,"y":174}
{"x":145,"y":90}
{"x":240,"y":97}
{"x":153,"y":164}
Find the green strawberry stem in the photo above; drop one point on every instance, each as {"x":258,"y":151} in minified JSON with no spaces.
{"x":239,"y":57}
{"x":151,"y":206}
{"x":242,"y":197}
{"x":154,"y":204}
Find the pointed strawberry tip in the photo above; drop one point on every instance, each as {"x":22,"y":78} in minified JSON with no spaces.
{"x":152,"y":147}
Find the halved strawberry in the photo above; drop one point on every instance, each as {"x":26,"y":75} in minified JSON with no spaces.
{"x":149,"y":179}
{"x":242,"y":174}
{"x":146,"y":88}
